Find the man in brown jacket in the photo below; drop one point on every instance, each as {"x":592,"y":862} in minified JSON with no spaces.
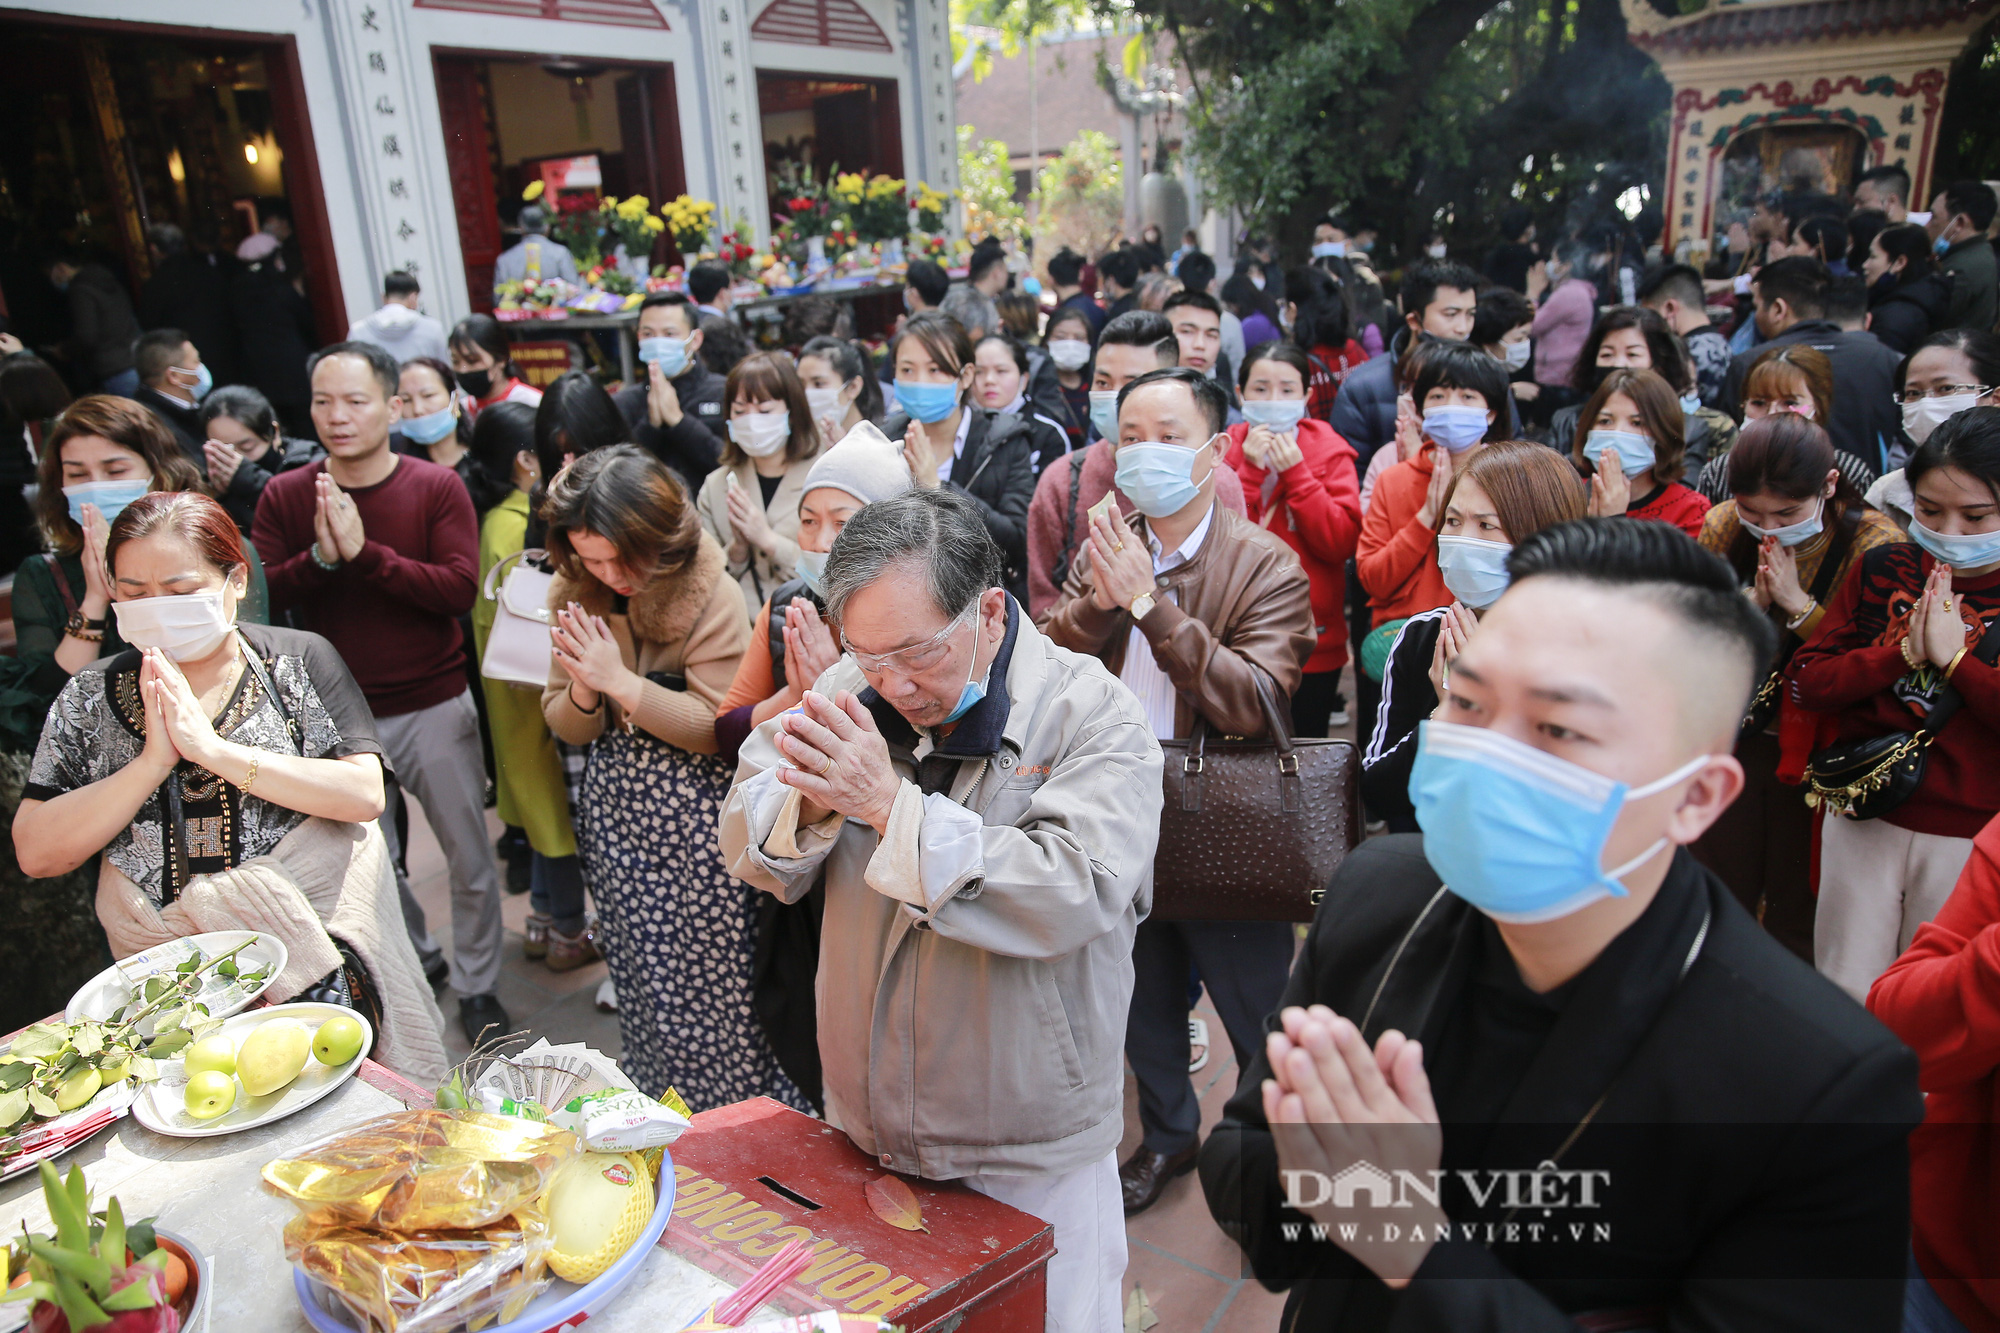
{"x":1186,"y":602}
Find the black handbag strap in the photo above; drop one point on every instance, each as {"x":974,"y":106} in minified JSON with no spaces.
{"x":1949,"y":699}
{"x":1291,"y":786}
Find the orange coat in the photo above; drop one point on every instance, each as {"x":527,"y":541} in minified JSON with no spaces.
{"x":1397,"y":557}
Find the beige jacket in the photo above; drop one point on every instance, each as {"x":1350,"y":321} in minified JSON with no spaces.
{"x":688,"y":624}
{"x":975,"y":966}
{"x":760,"y":572}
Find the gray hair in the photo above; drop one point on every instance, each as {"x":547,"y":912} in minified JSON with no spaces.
{"x":533,"y":219}
{"x":940,"y":530}
{"x":973,"y":309}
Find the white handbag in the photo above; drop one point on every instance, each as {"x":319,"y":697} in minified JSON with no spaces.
{"x":518,"y":647}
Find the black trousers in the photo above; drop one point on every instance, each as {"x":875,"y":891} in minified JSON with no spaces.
{"x":1243,"y":963}
{"x":1312,"y":706}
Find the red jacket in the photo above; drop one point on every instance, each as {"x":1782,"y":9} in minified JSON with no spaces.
{"x":1675,"y":504}
{"x":1942,"y":998}
{"x":1853,"y":667}
{"x":1315,"y":507}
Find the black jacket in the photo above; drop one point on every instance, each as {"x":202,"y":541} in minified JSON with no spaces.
{"x":1906,"y":315}
{"x":1865,"y":417}
{"x":994,"y":470}
{"x":694,"y":446}
{"x":247,"y":486}
{"x":190,"y":292}
{"x":1751,"y":1116}
{"x":102,"y":326}
{"x":183,"y":421}
{"x":1364,"y":412}
{"x":275,"y":323}
{"x":1408,"y":697}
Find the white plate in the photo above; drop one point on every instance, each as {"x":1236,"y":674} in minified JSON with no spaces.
{"x":103,"y":993}
{"x":162,"y":1107}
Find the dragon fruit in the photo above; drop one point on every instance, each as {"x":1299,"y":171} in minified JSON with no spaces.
{"x":95,"y":1275}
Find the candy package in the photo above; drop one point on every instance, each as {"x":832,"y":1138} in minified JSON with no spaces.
{"x":426,"y":1281}
{"x":423,"y":1170}
{"x":621,"y":1120}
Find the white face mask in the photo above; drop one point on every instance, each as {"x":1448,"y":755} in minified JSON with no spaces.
{"x":1517,"y":354}
{"x":1436,"y":251}
{"x":1927,"y":414}
{"x":1792,"y":534}
{"x":1069,"y":353}
{"x":186,"y":628}
{"x":826,"y":403}
{"x":761,"y":434}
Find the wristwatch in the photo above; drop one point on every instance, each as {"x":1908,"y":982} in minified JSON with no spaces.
{"x":1142,"y":606}
{"x":90,"y":631}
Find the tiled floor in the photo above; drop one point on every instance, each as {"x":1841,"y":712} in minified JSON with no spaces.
{"x":1191,"y":1273}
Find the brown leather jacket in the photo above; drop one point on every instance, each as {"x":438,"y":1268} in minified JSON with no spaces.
{"x":1243,"y":601}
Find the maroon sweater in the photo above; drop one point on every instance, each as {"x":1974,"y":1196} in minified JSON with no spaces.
{"x":1854,"y":667}
{"x":392,"y":611}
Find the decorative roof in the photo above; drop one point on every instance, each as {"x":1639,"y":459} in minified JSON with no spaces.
{"x":840,"y":23}
{"x":621,"y":13}
{"x":1760,"y":24}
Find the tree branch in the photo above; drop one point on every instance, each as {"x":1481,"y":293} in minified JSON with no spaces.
{"x":1436,"y":30}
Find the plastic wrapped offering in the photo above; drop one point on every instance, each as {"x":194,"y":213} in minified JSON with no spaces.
{"x":426,"y":1281}
{"x":424,"y":1170}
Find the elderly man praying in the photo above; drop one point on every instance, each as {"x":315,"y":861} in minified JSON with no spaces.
{"x":983,"y":806}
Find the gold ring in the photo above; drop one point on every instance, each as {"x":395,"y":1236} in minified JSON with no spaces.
{"x":827,"y":772}
{"x":1119,"y":547}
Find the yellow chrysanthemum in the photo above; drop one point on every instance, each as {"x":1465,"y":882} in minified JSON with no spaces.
{"x":533,"y":192}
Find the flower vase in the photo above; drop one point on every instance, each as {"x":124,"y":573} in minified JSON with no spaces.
{"x":815,"y":253}
{"x":892,"y":252}
{"x":633,"y":266}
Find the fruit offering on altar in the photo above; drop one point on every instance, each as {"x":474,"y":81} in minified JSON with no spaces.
{"x":96,"y":1273}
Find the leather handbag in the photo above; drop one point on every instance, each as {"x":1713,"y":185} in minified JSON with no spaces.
{"x":1252,"y":830}
{"x":1867,"y":778}
{"x":518,"y":646}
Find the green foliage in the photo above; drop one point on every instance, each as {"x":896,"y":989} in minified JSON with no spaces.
{"x":1082,"y":191}
{"x":1418,"y":112}
{"x":987,"y":184}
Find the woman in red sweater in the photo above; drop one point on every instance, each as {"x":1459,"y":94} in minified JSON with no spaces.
{"x":1299,"y":482}
{"x":1630,"y":443}
{"x":1907,"y":623}
{"x":1459,"y":391}
{"x":1942,"y":998}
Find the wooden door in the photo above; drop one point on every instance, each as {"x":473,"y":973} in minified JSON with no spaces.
{"x":468,"y":145}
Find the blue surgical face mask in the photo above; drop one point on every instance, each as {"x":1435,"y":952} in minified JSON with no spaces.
{"x":204,"y":380}
{"x":1456,"y":426}
{"x":1802,"y":531}
{"x":669,"y":354}
{"x":1635,"y":451}
{"x":812,"y":568}
{"x":1939,"y":247}
{"x":1516,"y":832}
{"x":975,"y":690}
{"x":927,"y":403}
{"x":432,"y":427}
{"x":1691,"y":404}
{"x":1475,"y":570}
{"x":1329,"y":250}
{"x":1280,"y":414}
{"x":110,"y":497}
{"x":1959,"y":550}
{"x":1159,"y":478}
{"x":1104,"y":413}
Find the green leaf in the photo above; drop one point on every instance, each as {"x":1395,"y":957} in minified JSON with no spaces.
{"x":41,"y":1040}
{"x":77,"y":1307}
{"x":155,"y":987}
{"x":131,"y":1296}
{"x":145,"y":1069}
{"x":191,"y":964}
{"x":72,"y":1233}
{"x":43,"y":1104}
{"x":88,"y":1039}
{"x":88,"y":1269}
{"x":13,"y":1107}
{"x":1134,"y":58}
{"x":15,"y":1074}
{"x":112,"y":1244}
{"x":169,"y":1044}
{"x":227,"y":967}
{"x":140,"y":1240}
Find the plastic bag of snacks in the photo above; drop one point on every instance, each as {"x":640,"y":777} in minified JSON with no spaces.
{"x":423,"y":1170}
{"x":426,"y":1281}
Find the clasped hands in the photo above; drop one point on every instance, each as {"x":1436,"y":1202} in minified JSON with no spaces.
{"x":338,"y":534}
{"x":843,"y":762}
{"x":1121,"y":564}
{"x":1331,"y":1102}
{"x":176,"y":726}
{"x":1937,"y":630}
{"x":585,"y":648}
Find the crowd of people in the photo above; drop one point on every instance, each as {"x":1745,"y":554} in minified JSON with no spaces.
{"x":822,"y":692}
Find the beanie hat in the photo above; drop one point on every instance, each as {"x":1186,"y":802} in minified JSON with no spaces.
{"x":866,"y":464}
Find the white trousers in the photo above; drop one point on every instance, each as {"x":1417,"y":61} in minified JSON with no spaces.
{"x":1087,"y":1274}
{"x":1877,"y":884}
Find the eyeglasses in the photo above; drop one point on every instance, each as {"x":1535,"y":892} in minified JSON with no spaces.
{"x":1944,"y":391}
{"x":917,"y":657}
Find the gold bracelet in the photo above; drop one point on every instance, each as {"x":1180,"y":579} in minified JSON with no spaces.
{"x":1957,"y":657}
{"x":1904,"y":649}
{"x":250,"y":777}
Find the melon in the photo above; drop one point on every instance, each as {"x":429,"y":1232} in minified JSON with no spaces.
{"x":597,"y":1207}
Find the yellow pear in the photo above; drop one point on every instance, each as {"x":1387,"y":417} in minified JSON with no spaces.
{"x":272,"y":1056}
{"x":597,"y":1206}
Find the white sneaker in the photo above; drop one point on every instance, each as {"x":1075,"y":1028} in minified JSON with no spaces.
{"x":1338,"y":718}
{"x":607,"y":997}
{"x":1197,"y":1040}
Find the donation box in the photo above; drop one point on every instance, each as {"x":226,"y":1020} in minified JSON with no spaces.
{"x":756,"y":1176}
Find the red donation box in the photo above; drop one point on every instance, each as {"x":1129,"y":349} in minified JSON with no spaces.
{"x":756,"y":1176}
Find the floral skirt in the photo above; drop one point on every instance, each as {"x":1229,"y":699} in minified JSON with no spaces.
{"x":677,"y":930}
